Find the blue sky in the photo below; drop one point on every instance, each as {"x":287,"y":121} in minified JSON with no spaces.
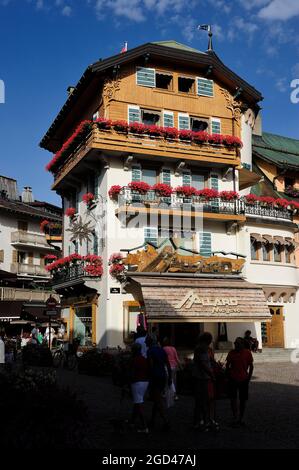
{"x":45,"y":45}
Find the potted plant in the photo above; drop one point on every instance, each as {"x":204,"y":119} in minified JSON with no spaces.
{"x":163,"y":190}
{"x":207,"y":194}
{"x":186,"y":192}
{"x":115,"y":258}
{"x":117,"y":271}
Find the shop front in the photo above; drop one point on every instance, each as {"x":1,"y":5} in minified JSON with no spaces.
{"x":182,"y":306}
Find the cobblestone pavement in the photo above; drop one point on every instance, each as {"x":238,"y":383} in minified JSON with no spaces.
{"x":272,"y":415}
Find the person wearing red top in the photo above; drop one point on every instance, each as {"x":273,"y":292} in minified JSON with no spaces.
{"x":239,"y":366}
{"x":139,"y":385}
{"x":173,"y":361}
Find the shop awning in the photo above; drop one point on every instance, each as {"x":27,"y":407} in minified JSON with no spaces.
{"x":247,"y":178}
{"x":280,"y":240}
{"x":185,"y":299}
{"x":257,"y":237}
{"x":268,"y":238}
{"x":290,"y":241}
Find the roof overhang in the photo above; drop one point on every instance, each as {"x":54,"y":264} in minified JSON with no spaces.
{"x":94,"y":73}
{"x":248,"y":178}
{"x":177,"y":299}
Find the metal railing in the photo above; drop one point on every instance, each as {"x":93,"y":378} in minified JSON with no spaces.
{"x":72,"y":272}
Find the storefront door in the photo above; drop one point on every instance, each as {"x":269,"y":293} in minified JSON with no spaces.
{"x":83,"y":325}
{"x":273,"y":332}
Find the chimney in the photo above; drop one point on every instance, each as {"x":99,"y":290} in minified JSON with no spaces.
{"x":27,"y":195}
{"x":70,"y":90}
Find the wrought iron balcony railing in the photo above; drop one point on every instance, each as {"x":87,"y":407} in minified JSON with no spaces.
{"x":218,"y":205}
{"x":72,"y":272}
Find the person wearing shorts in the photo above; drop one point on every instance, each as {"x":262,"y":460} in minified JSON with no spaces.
{"x":239,"y":366}
{"x":139,"y":385}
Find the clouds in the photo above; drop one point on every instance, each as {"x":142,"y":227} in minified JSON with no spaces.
{"x":280,"y":10}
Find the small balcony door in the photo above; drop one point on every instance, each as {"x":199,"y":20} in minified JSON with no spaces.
{"x":273,"y":332}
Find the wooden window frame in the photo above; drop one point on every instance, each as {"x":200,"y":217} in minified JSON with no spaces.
{"x":257,"y":250}
{"x":193,"y":89}
{"x":164,"y":72}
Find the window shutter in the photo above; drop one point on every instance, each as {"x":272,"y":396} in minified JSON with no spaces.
{"x":184,"y":122}
{"x":186,"y":178}
{"x":151,"y":235}
{"x":30,"y":258}
{"x":1,"y":256}
{"x":214,"y":182}
{"x":205,"y":87}
{"x":168,"y":120}
{"x":146,"y":77}
{"x":166,"y":176}
{"x":216,"y":126}
{"x":134,"y":114}
{"x":205,"y":245}
{"x":14,"y":256}
{"x":136,"y":173}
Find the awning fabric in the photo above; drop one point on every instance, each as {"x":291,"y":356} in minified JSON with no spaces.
{"x":247,"y":178}
{"x":257,"y":237}
{"x":268,"y":238}
{"x":280,"y":240}
{"x":290,"y":241}
{"x":181,"y":299}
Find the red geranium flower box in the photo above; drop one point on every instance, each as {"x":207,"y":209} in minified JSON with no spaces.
{"x":139,"y":186}
{"x":163,"y":190}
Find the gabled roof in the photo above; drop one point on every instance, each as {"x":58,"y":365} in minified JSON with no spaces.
{"x":277,"y":149}
{"x":25,"y":209}
{"x":169,"y":51}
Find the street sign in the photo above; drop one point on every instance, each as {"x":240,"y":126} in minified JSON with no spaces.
{"x":51,"y":303}
{"x":114,"y":290}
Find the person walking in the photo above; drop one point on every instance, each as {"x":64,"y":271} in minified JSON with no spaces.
{"x":139,"y":383}
{"x":140,"y":339}
{"x":160,"y":374}
{"x":204,"y":379}
{"x":239,"y":367}
{"x":174,"y":362}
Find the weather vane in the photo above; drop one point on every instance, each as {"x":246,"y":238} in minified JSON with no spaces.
{"x":207,"y":27}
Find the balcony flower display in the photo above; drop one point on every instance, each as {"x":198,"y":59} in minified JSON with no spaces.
{"x":290,"y":191}
{"x":216,"y":139}
{"x":120,"y":126}
{"x":170,"y":133}
{"x":70,"y":145}
{"x":200,"y":137}
{"x":229,"y":195}
{"x":114,"y":191}
{"x":137,"y":128}
{"x":284,"y":203}
{"x":155,"y":131}
{"x":163,"y":190}
{"x":206,"y":194}
{"x":88,"y":199}
{"x":43,"y":225}
{"x":50,"y":259}
{"x":70,"y":212}
{"x":294,"y":205}
{"x":185,"y":135}
{"x":139,"y":186}
{"x":91,"y":264}
{"x":186,"y":191}
{"x":95,"y":265}
{"x":103,"y":123}
{"x":232,"y":141}
{"x":115,"y":258}
{"x":251,"y":199}
{"x":267,"y":201}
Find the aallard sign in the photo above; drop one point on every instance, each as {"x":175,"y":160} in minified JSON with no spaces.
{"x":216,"y":304}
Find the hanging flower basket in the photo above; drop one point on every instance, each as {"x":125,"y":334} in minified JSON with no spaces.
{"x":117,"y":271}
{"x":89,"y":199}
{"x":114,"y":191}
{"x":70,"y":212}
{"x":115,"y":258}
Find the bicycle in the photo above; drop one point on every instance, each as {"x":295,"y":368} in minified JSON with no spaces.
{"x":64,"y":358}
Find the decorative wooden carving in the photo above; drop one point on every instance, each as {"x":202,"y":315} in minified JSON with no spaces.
{"x":235,"y":106}
{"x":168,"y":260}
{"x":111,"y":86}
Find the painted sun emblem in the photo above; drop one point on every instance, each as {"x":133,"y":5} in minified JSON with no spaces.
{"x":80,"y":231}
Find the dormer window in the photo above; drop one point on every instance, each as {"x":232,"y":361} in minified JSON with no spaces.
{"x":186,"y":85}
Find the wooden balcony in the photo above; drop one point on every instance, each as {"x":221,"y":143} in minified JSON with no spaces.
{"x":12,"y":294}
{"x":131,"y":204}
{"x":27,"y":239}
{"x":118,"y":143}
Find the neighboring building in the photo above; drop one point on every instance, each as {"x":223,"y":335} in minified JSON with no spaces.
{"x":271,"y":242}
{"x":171,"y":86}
{"x":24,"y":280}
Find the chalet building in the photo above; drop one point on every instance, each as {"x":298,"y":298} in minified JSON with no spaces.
{"x":159,"y":173}
{"x":30,"y":232}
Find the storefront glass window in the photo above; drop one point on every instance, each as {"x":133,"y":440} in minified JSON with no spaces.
{"x":83,"y":325}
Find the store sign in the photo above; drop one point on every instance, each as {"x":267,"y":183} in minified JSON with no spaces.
{"x":114,"y":290}
{"x":218,"y":304}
